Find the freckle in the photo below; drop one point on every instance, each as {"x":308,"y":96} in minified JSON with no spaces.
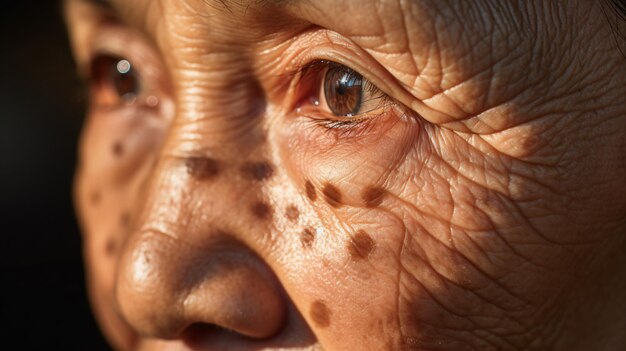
{"x":373,"y":196}
{"x":111,"y":246}
{"x":95,"y":197}
{"x":310,"y":191}
{"x":118,"y":149}
{"x":202,"y":168}
{"x":261,"y":210}
{"x":361,"y":245}
{"x":332,"y":195}
{"x":258,"y":170}
{"x":307,"y":237}
{"x":155,"y":162}
{"x":320,"y":314}
{"x":292,"y":213}
{"x":125,"y":219}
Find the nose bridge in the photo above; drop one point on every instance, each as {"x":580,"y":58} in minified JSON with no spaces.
{"x":197,"y":199}
{"x":215,"y":156}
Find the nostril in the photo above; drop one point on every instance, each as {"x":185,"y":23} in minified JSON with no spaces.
{"x":204,"y":336}
{"x":196,"y":333}
{"x":199,"y":335}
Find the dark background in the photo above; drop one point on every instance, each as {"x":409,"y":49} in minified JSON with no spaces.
{"x":44,"y":304}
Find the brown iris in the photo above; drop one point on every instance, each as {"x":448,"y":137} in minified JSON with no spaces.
{"x":113,"y":81}
{"x":343,"y":90}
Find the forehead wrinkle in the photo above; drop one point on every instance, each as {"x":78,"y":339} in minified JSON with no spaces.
{"x":233,"y":7}
{"x":243,"y":4}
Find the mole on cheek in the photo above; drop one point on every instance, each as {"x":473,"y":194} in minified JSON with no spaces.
{"x":118,"y":149}
{"x":332,"y":195}
{"x":292,"y":213}
{"x":320,"y":314}
{"x":110,"y":247}
{"x":125,"y":219}
{"x":258,"y":170}
{"x":307,"y":237}
{"x":361,"y":245}
{"x":373,"y":196}
{"x":202,"y":168}
{"x":310,"y":191}
{"x":95,"y":197}
{"x":261,"y":210}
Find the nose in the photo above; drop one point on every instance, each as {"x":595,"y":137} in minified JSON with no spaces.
{"x":174,"y":277}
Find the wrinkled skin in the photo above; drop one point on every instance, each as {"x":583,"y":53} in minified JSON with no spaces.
{"x":485,"y":211}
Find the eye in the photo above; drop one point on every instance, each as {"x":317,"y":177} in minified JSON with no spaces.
{"x":343,"y":90}
{"x":113,"y":81}
{"x":335,"y":93}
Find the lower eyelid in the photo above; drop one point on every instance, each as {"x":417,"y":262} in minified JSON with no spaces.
{"x":327,"y":134}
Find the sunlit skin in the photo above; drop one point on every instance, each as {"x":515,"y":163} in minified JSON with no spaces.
{"x":470,"y":194}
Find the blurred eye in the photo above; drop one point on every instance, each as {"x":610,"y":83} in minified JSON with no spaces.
{"x":114,"y":81}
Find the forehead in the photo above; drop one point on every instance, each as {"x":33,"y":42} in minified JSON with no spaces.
{"x":208,"y":18}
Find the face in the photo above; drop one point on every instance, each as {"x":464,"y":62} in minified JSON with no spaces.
{"x":343,"y":175}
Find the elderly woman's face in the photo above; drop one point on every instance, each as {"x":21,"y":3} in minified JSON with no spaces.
{"x":352,"y":175}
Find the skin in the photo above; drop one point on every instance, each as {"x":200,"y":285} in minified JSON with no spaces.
{"x":485,"y":209}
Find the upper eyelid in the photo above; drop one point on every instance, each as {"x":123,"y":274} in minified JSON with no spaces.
{"x":324,"y":44}
{"x":103,"y":4}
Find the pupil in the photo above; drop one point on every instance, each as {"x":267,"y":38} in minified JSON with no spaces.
{"x":125,"y":80}
{"x":343,"y":89}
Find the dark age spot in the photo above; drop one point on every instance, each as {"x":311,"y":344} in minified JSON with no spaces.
{"x":373,"y":196}
{"x":292,"y":213}
{"x":307,"y":237}
{"x":202,"y":168}
{"x":320,"y":314}
{"x":125,"y":219}
{"x":95,"y":197}
{"x":361,"y":245}
{"x":332,"y":195}
{"x":258,"y":170}
{"x":261,"y":210}
{"x":118,"y":149}
{"x":110,"y":247}
{"x":310,"y":191}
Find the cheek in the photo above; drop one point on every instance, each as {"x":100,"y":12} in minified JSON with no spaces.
{"x":116,"y":158}
{"x":344,"y":168}
{"x":345,"y":182}
{"x":104,"y":227}
{"x":117,"y":152}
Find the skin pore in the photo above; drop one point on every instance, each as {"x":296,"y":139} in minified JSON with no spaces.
{"x":353,"y":175}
